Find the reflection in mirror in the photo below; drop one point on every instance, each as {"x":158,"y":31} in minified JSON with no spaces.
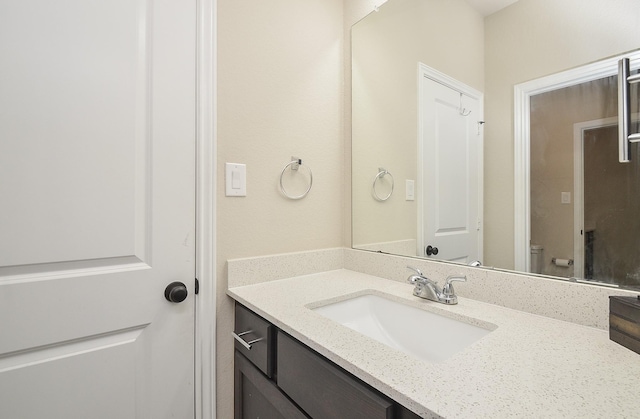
{"x":449,"y":168}
{"x":490,"y":54}
{"x":386,"y":49}
{"x":580,"y":193}
{"x":611,"y":202}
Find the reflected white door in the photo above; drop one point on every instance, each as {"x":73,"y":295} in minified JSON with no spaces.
{"x":451,"y":161}
{"x":97,"y":190}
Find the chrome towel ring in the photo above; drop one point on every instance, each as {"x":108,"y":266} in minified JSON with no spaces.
{"x":382,"y":172}
{"x":295,"y":164}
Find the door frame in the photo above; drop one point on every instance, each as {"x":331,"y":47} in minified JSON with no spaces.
{"x":578,"y":188}
{"x":579,"y":129}
{"x":522,"y":139}
{"x":424,"y":71}
{"x":206,"y":145}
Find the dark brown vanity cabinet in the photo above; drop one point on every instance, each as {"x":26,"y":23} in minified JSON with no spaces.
{"x":258,"y":397}
{"x":279,"y":377}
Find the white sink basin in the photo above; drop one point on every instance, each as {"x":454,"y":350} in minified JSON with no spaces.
{"x":423,"y":334}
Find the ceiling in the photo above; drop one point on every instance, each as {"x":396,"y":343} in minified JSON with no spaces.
{"x":487,"y":7}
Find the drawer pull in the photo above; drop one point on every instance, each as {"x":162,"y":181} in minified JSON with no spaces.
{"x":244,"y":342}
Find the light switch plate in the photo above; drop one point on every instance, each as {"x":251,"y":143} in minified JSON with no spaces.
{"x":565,"y":197}
{"x":235,"y":179}
{"x":410,"y":190}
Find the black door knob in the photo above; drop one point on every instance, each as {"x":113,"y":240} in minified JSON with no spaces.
{"x":431,"y":250}
{"x":176,"y":292}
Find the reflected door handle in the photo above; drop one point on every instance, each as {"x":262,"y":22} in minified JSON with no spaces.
{"x":431,"y":250}
{"x":176,"y":292}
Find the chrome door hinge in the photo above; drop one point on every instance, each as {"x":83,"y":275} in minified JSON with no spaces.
{"x":197,"y":291}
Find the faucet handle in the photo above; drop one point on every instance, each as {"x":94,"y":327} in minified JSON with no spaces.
{"x":416,"y":270}
{"x":448,"y":286}
{"x":453,"y":278}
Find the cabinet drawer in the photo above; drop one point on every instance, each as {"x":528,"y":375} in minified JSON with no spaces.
{"x":258,"y":336}
{"x":322,"y":389}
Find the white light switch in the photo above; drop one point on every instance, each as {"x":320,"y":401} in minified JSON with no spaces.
{"x":410,"y":190}
{"x":565,"y":197}
{"x":235,"y":179}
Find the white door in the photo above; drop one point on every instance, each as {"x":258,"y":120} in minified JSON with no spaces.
{"x":97,"y":202}
{"x":451,"y":162}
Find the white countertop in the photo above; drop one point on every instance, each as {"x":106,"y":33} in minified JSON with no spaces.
{"x":528,"y":367}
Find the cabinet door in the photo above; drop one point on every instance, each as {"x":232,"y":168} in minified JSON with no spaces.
{"x":324,"y":390}
{"x":257,"y":397}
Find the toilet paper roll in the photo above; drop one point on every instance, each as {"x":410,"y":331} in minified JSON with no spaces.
{"x":565,"y":263}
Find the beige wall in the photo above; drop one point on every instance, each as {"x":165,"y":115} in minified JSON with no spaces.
{"x":531,"y":39}
{"x":354,"y":11}
{"x":283,"y":80}
{"x":387,"y":47}
{"x":280,"y":93}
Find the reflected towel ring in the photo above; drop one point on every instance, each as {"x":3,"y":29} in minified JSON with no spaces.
{"x":295,"y":164}
{"x":381,"y":173}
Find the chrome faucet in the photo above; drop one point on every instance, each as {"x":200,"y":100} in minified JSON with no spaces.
{"x":428,"y":288}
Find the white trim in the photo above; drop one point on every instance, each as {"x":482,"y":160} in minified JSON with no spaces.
{"x":205,"y":327}
{"x":578,"y":188}
{"x":420,"y":172}
{"x":521,"y":126}
{"x":435,"y":75}
{"x":480,"y":225}
{"x":578,"y":200}
{"x":424,"y":71}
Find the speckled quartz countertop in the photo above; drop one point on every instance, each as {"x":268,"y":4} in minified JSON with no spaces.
{"x":529,"y":366}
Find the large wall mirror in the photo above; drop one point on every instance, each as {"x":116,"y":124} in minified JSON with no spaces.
{"x":435,"y":79}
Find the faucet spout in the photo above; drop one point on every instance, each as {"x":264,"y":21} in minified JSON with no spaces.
{"x":424,"y":287}
{"x":428,"y":289}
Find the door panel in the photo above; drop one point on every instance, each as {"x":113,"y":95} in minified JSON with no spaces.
{"x":82,"y":378}
{"x":451,"y":197}
{"x":97,"y":179}
{"x":74,"y":71}
{"x":452,"y":175}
